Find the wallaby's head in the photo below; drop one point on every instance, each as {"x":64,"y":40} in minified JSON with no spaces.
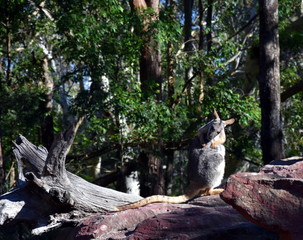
{"x":213,"y":128}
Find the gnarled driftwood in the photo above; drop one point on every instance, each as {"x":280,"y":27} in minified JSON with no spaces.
{"x":47,"y":195}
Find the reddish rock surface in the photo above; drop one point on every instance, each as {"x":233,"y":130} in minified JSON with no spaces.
{"x":204,"y":218}
{"x":272,"y":198}
{"x":290,"y":167}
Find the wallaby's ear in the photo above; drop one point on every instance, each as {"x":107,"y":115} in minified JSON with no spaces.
{"x":216,"y":115}
{"x":229,"y":121}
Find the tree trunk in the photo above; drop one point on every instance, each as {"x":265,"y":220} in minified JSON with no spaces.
{"x":2,"y":175}
{"x":269,"y":82}
{"x":150,"y":73}
{"x":150,"y":67}
{"x":8,"y":49}
{"x":151,"y":177}
{"x":209,"y":18}
{"x":170,"y":59}
{"x":169,"y":171}
{"x":47,"y":195}
{"x":201,"y":47}
{"x":209,"y":39}
{"x":201,"y":27}
{"x":170,"y":75}
{"x":151,"y":85}
{"x":47,"y":131}
{"x":188,"y":7}
{"x":47,"y":128}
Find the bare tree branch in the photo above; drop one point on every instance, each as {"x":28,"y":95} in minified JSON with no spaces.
{"x":298,"y":87}
{"x":243,"y":27}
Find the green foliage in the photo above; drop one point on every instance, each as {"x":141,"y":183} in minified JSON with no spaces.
{"x":93,"y":49}
{"x":169,"y":29}
{"x":21,"y":113}
{"x":230,"y":103}
{"x":291,"y":39}
{"x":293,"y":135}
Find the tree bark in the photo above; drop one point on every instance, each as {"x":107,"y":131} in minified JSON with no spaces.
{"x":150,"y":67}
{"x":209,"y":18}
{"x":47,"y":128}
{"x":170,"y":75}
{"x":151,"y":86}
{"x":47,"y":195}
{"x":151,"y":177}
{"x":2,"y":175}
{"x":170,"y":58}
{"x":269,"y":82}
{"x":188,"y":8}
{"x":169,"y":171}
{"x":150,"y":74}
{"x":201,"y":27}
{"x":296,"y":88}
{"x":8,"y":49}
{"x":201,"y":48}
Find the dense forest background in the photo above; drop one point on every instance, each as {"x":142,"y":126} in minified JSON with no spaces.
{"x":144,"y":75}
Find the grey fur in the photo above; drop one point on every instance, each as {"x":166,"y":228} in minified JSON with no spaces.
{"x":206,"y":164}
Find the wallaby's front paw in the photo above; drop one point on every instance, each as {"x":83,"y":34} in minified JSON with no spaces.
{"x":213,"y":145}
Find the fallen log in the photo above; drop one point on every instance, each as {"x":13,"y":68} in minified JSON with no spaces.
{"x":47,"y":195}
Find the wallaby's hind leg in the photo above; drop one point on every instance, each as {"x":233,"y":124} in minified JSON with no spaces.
{"x":215,"y":191}
{"x":210,"y":191}
{"x":192,"y":190}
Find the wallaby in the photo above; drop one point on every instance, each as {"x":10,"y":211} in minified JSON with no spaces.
{"x":205,"y":167}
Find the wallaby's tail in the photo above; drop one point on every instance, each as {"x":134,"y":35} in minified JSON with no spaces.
{"x":155,"y":199}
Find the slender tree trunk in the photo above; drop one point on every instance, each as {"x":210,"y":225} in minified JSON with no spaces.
{"x":171,"y":90}
{"x":170,"y":74}
{"x":269,"y":82}
{"x":170,"y":59}
{"x":209,"y":18}
{"x":169,"y":171}
{"x":188,"y":8}
{"x":201,"y":47}
{"x":201,"y":27}
{"x":8,"y":53}
{"x":2,"y":176}
{"x":156,"y":174}
{"x":209,"y":39}
{"x":2,"y":172}
{"x":47,"y":129}
{"x":145,"y":189}
{"x":3,"y":74}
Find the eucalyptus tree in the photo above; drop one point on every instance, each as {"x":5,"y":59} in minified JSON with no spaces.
{"x":125,"y":67}
{"x":269,"y":80}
